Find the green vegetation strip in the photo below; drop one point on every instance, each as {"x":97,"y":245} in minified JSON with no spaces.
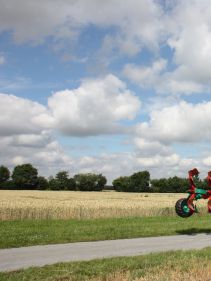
{"x":136,"y":266}
{"x":40,"y":232}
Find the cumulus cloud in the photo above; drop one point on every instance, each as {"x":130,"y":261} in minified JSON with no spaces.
{"x":149,"y":148}
{"x":21,"y":116}
{"x":96,"y":107}
{"x":25,"y":135}
{"x":183,"y":122}
{"x":186,"y":31}
{"x":41,"y":150}
{"x":191,"y":40}
{"x":158,"y":77}
{"x":145,"y":76}
{"x":137,"y":22}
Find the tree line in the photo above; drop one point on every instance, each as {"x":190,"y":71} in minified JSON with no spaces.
{"x":140,"y":182}
{"x":26,"y":177}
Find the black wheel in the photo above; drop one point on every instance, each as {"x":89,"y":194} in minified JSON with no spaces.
{"x":182,"y":209}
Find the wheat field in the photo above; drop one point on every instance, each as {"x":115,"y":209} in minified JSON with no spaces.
{"x":16,"y":205}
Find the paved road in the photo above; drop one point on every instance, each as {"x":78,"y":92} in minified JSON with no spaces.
{"x":17,"y":258}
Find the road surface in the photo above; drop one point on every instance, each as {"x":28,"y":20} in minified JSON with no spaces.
{"x":18,"y":258}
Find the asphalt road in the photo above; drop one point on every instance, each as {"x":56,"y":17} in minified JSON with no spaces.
{"x":18,"y":258}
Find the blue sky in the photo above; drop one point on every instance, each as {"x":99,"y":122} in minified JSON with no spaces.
{"x":106,"y":87}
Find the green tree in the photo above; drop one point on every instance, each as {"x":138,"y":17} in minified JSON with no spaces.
{"x":4,"y":174}
{"x":71,"y":185}
{"x":8,"y":185}
{"x":53,"y":184}
{"x":121,"y":184}
{"x":174,"y":184}
{"x":139,"y":182}
{"x":101,"y":182}
{"x":25,"y":176}
{"x":42,"y":183}
{"x":177,"y":184}
{"x":64,"y":182}
{"x":160,"y":185}
{"x":89,"y":182}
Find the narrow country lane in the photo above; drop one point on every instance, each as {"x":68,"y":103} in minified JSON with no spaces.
{"x":18,"y":258}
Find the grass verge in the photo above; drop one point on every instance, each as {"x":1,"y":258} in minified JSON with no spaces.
{"x":40,"y":232}
{"x":170,"y":266}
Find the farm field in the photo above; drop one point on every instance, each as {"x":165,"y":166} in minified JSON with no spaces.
{"x":20,"y":205}
{"x":47,"y":217}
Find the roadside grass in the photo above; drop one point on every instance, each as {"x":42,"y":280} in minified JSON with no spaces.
{"x":170,"y":266}
{"x":40,"y":232}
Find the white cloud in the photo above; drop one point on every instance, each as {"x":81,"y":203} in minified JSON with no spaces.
{"x":147,"y":148}
{"x":21,"y":116}
{"x":157,"y":76}
{"x":96,"y":107}
{"x":189,"y":38}
{"x":31,"y":140}
{"x":184,"y":27}
{"x":137,"y":22}
{"x":207,"y":161}
{"x":186,"y":31}
{"x":159,"y":161}
{"x":42,"y":150}
{"x":183,"y":122}
{"x":145,"y":76}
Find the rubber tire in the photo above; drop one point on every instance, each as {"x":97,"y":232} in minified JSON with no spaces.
{"x":179,"y":208}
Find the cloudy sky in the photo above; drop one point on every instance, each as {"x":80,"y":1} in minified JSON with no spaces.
{"x":110,"y":87}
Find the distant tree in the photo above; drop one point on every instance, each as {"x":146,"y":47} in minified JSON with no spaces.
{"x":139,"y":182}
{"x":89,"y":182}
{"x":159,"y":185}
{"x":177,"y":184}
{"x":42,"y":183}
{"x":174,"y":184}
{"x":71,"y":184}
{"x":121,"y":184}
{"x":25,"y":176}
{"x":53,"y":184}
{"x":101,"y":182}
{"x":62,"y":180}
{"x":4,"y":174}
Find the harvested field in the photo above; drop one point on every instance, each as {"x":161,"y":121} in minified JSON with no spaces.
{"x":15,"y":205}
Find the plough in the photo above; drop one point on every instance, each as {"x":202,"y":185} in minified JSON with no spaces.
{"x":185,"y":207}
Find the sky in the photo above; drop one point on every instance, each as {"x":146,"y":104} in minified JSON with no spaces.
{"x":112,"y":87}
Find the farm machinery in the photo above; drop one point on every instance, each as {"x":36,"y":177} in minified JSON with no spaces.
{"x":185,"y":207}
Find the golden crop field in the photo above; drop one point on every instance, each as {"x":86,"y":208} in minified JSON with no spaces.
{"x":84,"y":205}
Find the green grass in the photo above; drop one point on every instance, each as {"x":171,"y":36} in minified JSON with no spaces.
{"x":137,"y":266}
{"x":38,"y":232}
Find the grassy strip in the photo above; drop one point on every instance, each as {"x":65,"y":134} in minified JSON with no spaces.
{"x":40,"y":232}
{"x":170,"y":266}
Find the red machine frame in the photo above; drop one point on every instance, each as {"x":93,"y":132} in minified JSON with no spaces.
{"x":185,"y":206}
